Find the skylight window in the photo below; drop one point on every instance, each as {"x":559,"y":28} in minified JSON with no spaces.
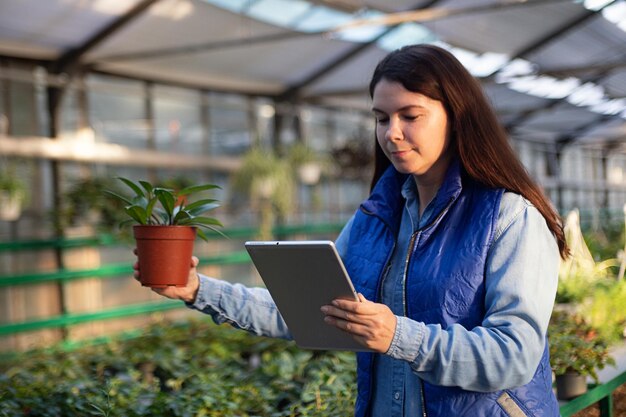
{"x":614,"y":13}
{"x":520,"y":75}
{"x":545,"y":87}
{"x":321,"y":19}
{"x":278,"y":12}
{"x":233,"y":5}
{"x":362,"y":33}
{"x":595,"y":5}
{"x":406,"y":34}
{"x":479,"y":65}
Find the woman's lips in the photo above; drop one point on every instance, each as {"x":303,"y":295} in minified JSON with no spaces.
{"x":400,"y":154}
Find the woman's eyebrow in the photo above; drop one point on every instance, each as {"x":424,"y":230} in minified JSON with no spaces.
{"x":408,"y":107}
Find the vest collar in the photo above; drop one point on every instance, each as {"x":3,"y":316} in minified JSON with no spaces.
{"x":386,"y":199}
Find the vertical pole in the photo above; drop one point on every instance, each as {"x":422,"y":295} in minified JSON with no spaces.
{"x":606,"y":406}
{"x":150,"y":125}
{"x":253,"y":122}
{"x":54,"y":97}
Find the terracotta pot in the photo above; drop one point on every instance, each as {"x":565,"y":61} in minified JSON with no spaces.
{"x":164,"y":254}
{"x":570,"y":385}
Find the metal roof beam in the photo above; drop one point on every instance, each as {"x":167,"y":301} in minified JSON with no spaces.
{"x":70,"y":58}
{"x":293,"y":90}
{"x":207,"y":46}
{"x":572,"y":71}
{"x":540,"y":43}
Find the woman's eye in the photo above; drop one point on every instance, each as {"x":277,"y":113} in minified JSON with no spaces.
{"x":411,"y":116}
{"x":381,"y":120}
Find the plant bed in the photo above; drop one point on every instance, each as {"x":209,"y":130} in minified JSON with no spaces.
{"x":190,"y":369}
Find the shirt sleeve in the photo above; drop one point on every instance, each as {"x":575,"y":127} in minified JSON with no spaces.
{"x":505,"y":350}
{"x":247,"y":308}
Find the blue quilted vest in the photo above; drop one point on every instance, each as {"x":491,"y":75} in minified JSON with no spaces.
{"x":444,"y":285}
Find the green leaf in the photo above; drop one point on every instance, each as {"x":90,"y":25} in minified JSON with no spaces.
{"x":140,"y":201}
{"x":197,"y":210}
{"x":199,"y":203}
{"x":167,"y":201}
{"x":202,"y":235}
{"x":205,"y":222}
{"x":201,"y":221}
{"x":137,"y":213}
{"x":181,"y":216}
{"x":119,"y":197}
{"x":150,"y":207}
{"x":132,"y":186}
{"x":147,"y":186}
{"x":160,"y":216}
{"x":197,"y":188}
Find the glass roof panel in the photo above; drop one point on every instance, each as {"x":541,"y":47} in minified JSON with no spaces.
{"x":362,"y":33}
{"x":616,"y":13}
{"x":322,"y":18}
{"x":233,"y":5}
{"x":406,"y":34}
{"x":278,"y":12}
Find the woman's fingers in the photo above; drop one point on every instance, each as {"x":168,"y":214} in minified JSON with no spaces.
{"x":371,"y":324}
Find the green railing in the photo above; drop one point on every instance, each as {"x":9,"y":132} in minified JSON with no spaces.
{"x":118,"y":270}
{"x":602,"y":394}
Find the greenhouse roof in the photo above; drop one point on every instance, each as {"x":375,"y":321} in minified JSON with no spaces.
{"x":554,"y":69}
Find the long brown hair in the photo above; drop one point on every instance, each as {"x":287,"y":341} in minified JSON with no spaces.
{"x":476,"y":135}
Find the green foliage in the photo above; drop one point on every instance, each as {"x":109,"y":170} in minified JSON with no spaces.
{"x":575,"y":346}
{"x":11,"y":183}
{"x":607,"y":241}
{"x":265,"y":176}
{"x":152,"y":205}
{"x":191,"y":369}
{"x":606,"y":310}
{"x":84,"y":202}
{"x":268,"y":184}
{"x":580,"y":286}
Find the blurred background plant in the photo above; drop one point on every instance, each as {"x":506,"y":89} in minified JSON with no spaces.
{"x":13,"y":192}
{"x":267,"y":184}
{"x":576,"y":346}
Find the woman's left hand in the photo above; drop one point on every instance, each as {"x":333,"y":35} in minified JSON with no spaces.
{"x":371,"y":324}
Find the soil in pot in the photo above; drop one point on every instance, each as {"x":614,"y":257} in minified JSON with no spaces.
{"x":164,"y":254}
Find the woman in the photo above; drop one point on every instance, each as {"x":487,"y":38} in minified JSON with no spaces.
{"x":455,"y":255}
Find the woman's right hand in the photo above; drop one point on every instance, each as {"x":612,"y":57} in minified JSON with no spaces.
{"x":187,"y":293}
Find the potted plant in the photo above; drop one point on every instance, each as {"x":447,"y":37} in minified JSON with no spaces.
{"x":12,"y":195}
{"x":576,"y":353}
{"x":165,"y":230}
{"x":306,"y":162}
{"x":354,"y":158}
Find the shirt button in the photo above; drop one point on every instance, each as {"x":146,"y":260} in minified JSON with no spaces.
{"x":396,"y":395}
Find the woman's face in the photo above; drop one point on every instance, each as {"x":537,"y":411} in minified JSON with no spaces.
{"x":412,"y":130}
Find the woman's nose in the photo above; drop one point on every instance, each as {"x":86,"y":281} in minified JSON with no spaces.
{"x":394,"y":132}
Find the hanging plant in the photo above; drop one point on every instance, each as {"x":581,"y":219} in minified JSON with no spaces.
{"x":12,"y":195}
{"x":267,"y":182}
{"x":307,"y":163}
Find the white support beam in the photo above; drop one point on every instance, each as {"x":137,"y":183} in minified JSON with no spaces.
{"x":79,"y":149}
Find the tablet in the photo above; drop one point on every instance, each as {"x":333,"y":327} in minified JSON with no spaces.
{"x":301,"y":277}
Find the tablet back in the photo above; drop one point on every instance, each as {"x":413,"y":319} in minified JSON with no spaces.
{"x":302,"y":276}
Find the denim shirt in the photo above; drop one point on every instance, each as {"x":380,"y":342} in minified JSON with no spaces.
{"x":521,"y":280}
